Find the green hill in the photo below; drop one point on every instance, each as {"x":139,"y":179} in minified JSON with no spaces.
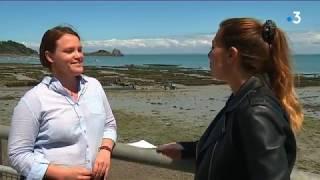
{"x":13,"y":48}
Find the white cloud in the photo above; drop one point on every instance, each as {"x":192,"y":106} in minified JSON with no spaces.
{"x":32,"y":45}
{"x":150,"y":43}
{"x":301,"y":42}
{"x":305,"y":37}
{"x":179,"y":44}
{"x":305,"y":42}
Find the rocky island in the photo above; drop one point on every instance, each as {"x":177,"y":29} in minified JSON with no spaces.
{"x":115,"y":52}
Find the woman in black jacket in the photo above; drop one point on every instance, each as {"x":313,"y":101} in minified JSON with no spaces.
{"x":252,"y":137}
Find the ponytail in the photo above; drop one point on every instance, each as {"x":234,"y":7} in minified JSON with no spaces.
{"x":282,"y":79}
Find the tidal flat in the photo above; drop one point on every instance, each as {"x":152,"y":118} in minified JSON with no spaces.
{"x":145,"y":109}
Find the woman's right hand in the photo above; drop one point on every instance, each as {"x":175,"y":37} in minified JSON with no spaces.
{"x":77,"y":173}
{"x":172,"y":150}
{"x":63,"y":172}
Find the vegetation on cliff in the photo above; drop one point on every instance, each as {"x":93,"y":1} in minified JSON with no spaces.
{"x":14,"y":48}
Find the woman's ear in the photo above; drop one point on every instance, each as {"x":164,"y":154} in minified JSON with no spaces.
{"x":48,"y":56}
{"x":233,"y":54}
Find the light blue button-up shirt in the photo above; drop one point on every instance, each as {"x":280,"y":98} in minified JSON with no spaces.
{"x":49,"y":127}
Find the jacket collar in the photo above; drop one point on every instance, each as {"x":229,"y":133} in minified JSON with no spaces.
{"x":248,"y":87}
{"x":217,"y":128}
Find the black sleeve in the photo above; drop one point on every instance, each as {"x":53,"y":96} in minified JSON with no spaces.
{"x":262,"y":138}
{"x":189,"y":149}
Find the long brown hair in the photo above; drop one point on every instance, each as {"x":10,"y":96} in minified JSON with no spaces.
{"x":49,"y":39}
{"x":261,"y":56}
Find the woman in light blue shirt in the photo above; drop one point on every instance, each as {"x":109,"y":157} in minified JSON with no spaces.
{"x":63,"y":128}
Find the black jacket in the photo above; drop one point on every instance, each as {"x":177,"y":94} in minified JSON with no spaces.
{"x":249,"y":139}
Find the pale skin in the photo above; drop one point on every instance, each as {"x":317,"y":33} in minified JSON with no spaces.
{"x":66,"y":64}
{"x":100,"y":169}
{"x":103,"y":161}
{"x":224,"y":65}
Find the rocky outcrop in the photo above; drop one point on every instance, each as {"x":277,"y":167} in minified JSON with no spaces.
{"x":15,"y":48}
{"x":99,"y":53}
{"x":115,"y":52}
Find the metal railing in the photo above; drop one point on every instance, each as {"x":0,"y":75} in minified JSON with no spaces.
{"x":150,"y":157}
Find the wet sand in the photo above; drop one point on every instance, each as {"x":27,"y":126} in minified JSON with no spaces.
{"x":160,"y":116}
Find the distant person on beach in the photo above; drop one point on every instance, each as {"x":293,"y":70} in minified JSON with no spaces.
{"x":252,"y":137}
{"x":63,"y":128}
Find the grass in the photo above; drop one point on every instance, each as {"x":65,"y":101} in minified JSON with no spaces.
{"x":308,"y":140}
{"x":133,"y":127}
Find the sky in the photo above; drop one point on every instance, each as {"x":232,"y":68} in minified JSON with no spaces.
{"x":145,"y":27}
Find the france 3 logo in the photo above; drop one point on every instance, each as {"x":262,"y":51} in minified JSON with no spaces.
{"x":296,"y":18}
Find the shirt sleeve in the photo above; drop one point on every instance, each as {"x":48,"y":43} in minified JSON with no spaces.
{"x":110,"y":127}
{"x":24,"y":130}
{"x":262,"y":140}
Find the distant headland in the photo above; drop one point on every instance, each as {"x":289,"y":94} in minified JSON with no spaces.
{"x":12,"y":48}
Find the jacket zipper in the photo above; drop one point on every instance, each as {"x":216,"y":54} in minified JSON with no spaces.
{"x":211,"y":160}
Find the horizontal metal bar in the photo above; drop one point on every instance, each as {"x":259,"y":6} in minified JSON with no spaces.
{"x":7,"y":169}
{"x":151,"y":157}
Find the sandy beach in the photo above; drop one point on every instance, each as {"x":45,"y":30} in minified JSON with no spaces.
{"x":149,"y":112}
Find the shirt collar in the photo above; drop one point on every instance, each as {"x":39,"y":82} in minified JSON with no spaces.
{"x":54,"y":84}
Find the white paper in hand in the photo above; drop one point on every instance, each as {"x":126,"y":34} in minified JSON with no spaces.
{"x":142,"y":144}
